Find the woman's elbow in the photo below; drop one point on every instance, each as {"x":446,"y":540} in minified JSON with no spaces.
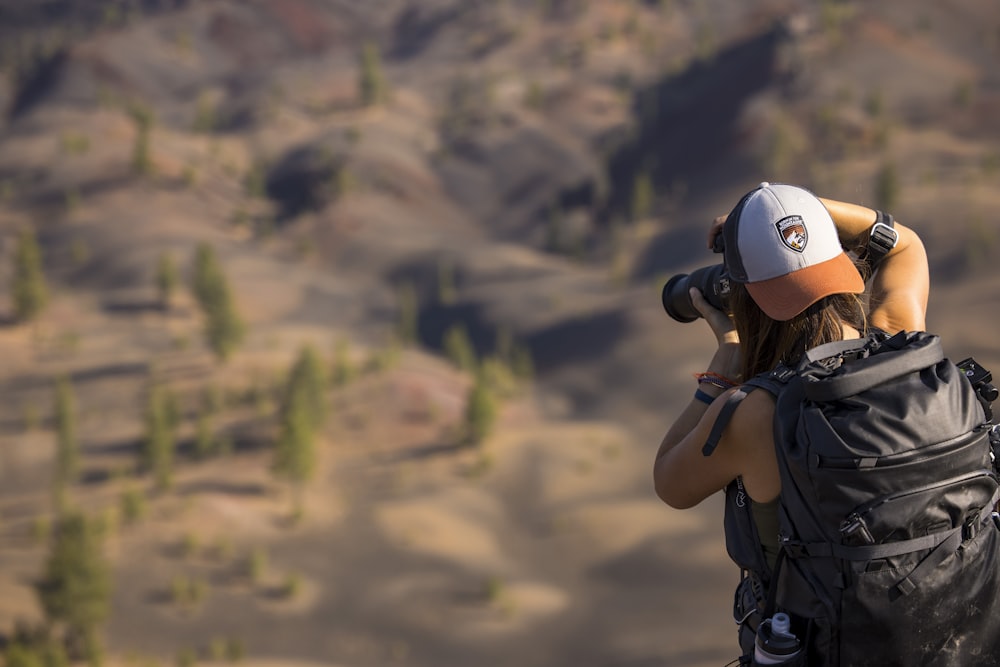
{"x":671,"y":494}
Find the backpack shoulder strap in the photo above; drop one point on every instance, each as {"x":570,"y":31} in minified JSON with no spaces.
{"x":773,"y":382}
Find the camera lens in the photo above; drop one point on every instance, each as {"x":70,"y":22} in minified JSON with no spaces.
{"x":713,"y":283}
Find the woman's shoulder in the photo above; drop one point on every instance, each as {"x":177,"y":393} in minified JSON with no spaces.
{"x":752,"y":421}
{"x":751,"y":435}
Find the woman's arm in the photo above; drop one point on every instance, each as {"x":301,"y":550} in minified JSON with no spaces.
{"x":900,"y":286}
{"x":682,"y":475}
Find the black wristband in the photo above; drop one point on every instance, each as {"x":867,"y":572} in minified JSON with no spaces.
{"x":704,"y":397}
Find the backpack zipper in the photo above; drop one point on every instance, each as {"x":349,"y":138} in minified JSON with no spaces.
{"x":855,"y":521}
{"x":899,"y":458}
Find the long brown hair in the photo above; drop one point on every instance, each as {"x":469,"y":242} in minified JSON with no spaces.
{"x":764,"y":342}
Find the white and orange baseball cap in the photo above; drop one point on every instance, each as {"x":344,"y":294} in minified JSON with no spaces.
{"x":781,"y":242}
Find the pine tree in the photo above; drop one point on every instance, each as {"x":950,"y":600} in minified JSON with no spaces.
{"x":308,"y":378}
{"x":887,"y":187}
{"x":343,"y":369}
{"x":301,"y":416}
{"x":480,"y":411}
{"x":157,"y":453}
{"x":172,"y":411}
{"x":204,"y":439}
{"x":409,"y":313}
{"x":224,"y":329}
{"x":554,"y":229}
{"x":17,"y":655}
{"x":206,"y":270}
{"x":67,"y":445}
{"x":295,"y":454}
{"x":295,"y":450}
{"x":642,"y":197}
{"x":33,"y":649}
{"x":458,"y":348}
{"x":371,"y":84}
{"x":143,"y":118}
{"x":446,"y":283}
{"x":75,"y":589}
{"x":29,"y":292}
{"x":522,"y":364}
{"x":166,"y":279}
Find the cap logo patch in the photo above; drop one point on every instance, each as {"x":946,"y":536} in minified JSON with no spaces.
{"x":793,"y":232}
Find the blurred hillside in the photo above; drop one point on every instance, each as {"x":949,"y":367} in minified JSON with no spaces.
{"x":431,"y":197}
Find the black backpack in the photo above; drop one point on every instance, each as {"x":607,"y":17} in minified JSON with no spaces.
{"x":889,"y":543}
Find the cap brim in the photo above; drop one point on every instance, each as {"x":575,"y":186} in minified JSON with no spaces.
{"x":786,"y":296}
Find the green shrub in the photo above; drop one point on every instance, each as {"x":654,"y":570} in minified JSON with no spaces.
{"x":887,"y":187}
{"x":371,"y":82}
{"x":133,"y":505}
{"x":75,"y":587}
{"x":29,"y":291}
{"x":480,"y":411}
{"x":224,"y":329}
{"x":458,"y":347}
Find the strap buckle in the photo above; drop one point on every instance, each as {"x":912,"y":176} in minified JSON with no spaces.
{"x":794,"y":549}
{"x":882,"y":239}
{"x":782,"y":373}
{"x":971,"y":528}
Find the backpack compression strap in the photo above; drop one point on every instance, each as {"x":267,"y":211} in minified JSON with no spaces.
{"x":941,"y":544}
{"x":922,"y":351}
{"x":779,"y":377}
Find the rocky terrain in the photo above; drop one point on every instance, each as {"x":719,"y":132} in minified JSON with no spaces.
{"x":373,"y":176}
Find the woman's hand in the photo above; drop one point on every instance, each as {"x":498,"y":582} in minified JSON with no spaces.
{"x":721,"y":323}
{"x":715,"y":230}
{"x":727,"y":360}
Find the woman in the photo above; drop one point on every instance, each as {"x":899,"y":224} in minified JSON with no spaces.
{"x":793,"y":288}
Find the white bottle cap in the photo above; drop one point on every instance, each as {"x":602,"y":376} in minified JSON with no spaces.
{"x":781,"y":624}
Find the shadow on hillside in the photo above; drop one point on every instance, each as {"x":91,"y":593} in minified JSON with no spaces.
{"x":30,"y":382}
{"x":424,"y":451}
{"x":577,"y":339}
{"x":692,"y":121}
{"x":34,"y":87}
{"x":134,"y":307}
{"x":118,"y":370}
{"x":240,"y":440}
{"x":435,"y":320}
{"x":415,"y":29}
{"x":673,"y":251}
{"x":224,"y":487}
{"x":8,"y":320}
{"x":565,"y":343}
{"x":684,"y":123}
{"x":551,"y":348}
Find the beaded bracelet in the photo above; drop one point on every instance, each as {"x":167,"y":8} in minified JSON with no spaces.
{"x":704,"y":397}
{"x":719,"y":381}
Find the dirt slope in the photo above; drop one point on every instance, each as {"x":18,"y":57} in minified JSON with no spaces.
{"x":533,"y":173}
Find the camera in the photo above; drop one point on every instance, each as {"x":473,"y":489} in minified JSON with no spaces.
{"x":980,"y":378}
{"x":712,"y":281}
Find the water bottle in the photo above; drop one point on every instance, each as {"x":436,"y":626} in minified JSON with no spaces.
{"x":775,"y":644}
